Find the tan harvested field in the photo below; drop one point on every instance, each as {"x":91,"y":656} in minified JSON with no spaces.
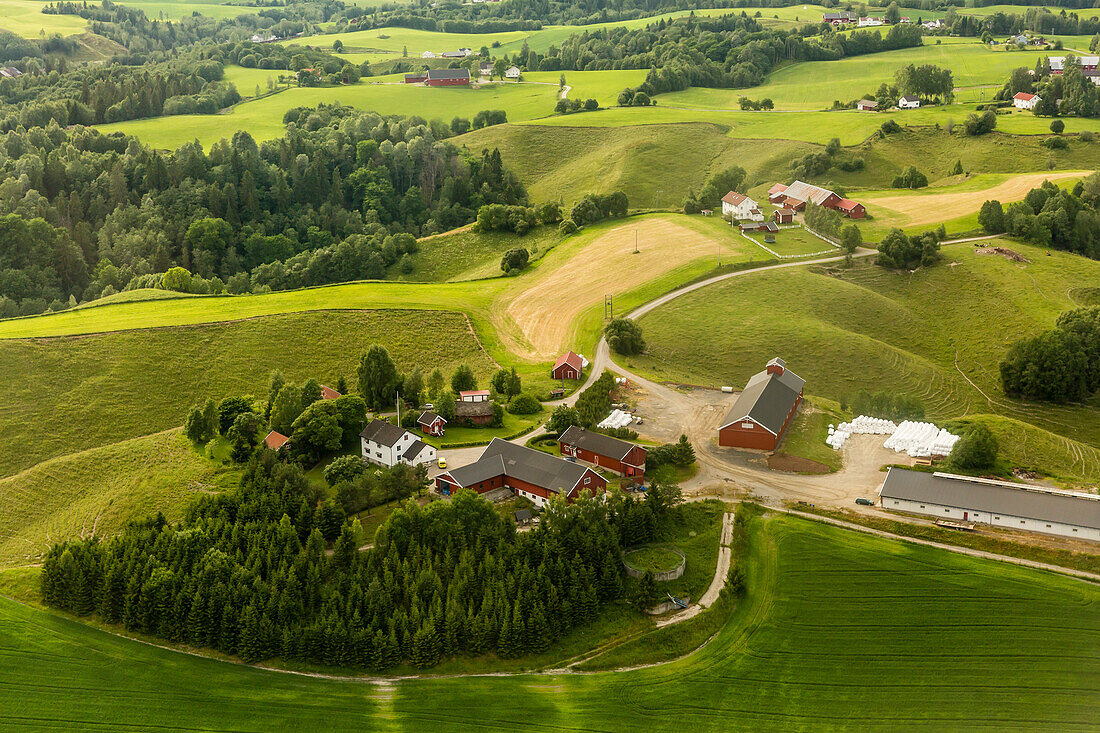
{"x":545,"y":311}
{"x":932,"y":208}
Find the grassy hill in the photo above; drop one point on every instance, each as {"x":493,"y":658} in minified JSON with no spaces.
{"x":829,"y":617}
{"x":938,"y":334}
{"x":25,"y":18}
{"x":99,"y":490}
{"x":70,"y":394}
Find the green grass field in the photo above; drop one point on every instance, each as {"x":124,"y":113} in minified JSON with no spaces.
{"x":937,"y":334}
{"x":830,"y":616}
{"x":791,"y":243}
{"x":98,"y":491}
{"x":25,"y":18}
{"x":115,"y":386}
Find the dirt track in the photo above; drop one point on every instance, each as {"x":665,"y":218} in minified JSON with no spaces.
{"x":933,"y":208}
{"x":545,"y":311}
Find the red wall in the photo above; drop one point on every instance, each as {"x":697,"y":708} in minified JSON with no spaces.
{"x":735,"y":436}
{"x":447,"y":82}
{"x":565,"y":372}
{"x":598,"y":484}
{"x":636,"y":457}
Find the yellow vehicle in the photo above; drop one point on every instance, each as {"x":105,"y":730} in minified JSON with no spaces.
{"x":442,"y":462}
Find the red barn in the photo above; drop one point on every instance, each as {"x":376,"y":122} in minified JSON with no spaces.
{"x":568,"y":366}
{"x":851,"y":209}
{"x":474,"y":407}
{"x":764,"y":409}
{"x":431,"y":423}
{"x":328,"y":393}
{"x":447,"y":77}
{"x":799,"y":193}
{"x":603,"y":451}
{"x":529,"y":473}
{"x":417,"y":77}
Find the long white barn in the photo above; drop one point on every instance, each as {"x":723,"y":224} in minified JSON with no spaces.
{"x":997,"y":503}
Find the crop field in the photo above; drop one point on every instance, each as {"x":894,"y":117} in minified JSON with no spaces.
{"x":616,"y":261}
{"x":928,"y":206}
{"x":99,"y":490}
{"x":115,"y":386}
{"x":263,"y":118}
{"x":25,"y":18}
{"x":828,"y":616}
{"x":937,"y":334}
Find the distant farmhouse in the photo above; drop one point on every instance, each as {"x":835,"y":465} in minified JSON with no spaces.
{"x":867,"y":105}
{"x":529,"y":473}
{"x":764,"y":409}
{"x":387,"y":445}
{"x":989,"y":501}
{"x":740,"y":207}
{"x":623,"y":457}
{"x":841,"y":18}
{"x":909,"y":102}
{"x":798,"y":194}
{"x":1023,"y":100}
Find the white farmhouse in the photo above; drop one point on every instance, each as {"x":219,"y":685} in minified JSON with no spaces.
{"x":387,"y":445}
{"x":512,"y":72}
{"x":909,"y":102}
{"x":427,"y":55}
{"x":1023,"y":100}
{"x":740,"y":207}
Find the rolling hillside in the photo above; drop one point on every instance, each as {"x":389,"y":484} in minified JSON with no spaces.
{"x":937,"y":333}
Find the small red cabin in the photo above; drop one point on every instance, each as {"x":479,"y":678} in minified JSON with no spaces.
{"x":568,"y":366}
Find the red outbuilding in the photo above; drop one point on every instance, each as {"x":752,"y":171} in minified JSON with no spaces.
{"x":431,"y":423}
{"x":529,"y":473}
{"x":603,"y":451}
{"x":416,"y":77}
{"x":784,"y":216}
{"x":764,"y":409}
{"x":328,"y":393}
{"x":568,"y":366}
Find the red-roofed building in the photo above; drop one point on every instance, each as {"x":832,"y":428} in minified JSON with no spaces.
{"x":739,"y":206}
{"x":474,"y":395}
{"x":1023,"y":100}
{"x":851,"y":209}
{"x":800,"y":193}
{"x":569,"y":365}
{"x":328,"y":393}
{"x":275,"y":441}
{"x":784,"y":216}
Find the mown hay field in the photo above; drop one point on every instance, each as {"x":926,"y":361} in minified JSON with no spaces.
{"x":829,"y":616}
{"x":937,"y":333}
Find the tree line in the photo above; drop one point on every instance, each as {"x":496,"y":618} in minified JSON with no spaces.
{"x":1050,"y":216}
{"x":341,"y":196}
{"x":246,"y":573}
{"x":1059,"y":365}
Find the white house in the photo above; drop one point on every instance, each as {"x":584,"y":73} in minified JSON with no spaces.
{"x":387,"y":445}
{"x":427,"y":55}
{"x":908,"y":102}
{"x":741,"y":207}
{"x":466,"y":51}
{"x":868,"y":22}
{"x":264,"y":37}
{"x":512,"y":72}
{"x":1023,"y":100}
{"x":989,"y":501}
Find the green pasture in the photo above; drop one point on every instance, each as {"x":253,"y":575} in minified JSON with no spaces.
{"x":263,"y":118}
{"x":937,"y":334}
{"x":655,"y":558}
{"x":791,"y":243}
{"x":176,"y":9}
{"x":98,"y":491}
{"x":806,"y":436}
{"x":815,"y":84}
{"x":246,"y":80}
{"x":25,"y":18}
{"x":829,"y":616}
{"x":469,"y":255}
{"x":116,"y":386}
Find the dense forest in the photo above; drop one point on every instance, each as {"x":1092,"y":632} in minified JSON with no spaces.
{"x":340,"y":196}
{"x":1060,"y":365}
{"x":246,"y":573}
{"x":1050,"y":216}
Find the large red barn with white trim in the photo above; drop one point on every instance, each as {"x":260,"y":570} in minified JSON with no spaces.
{"x":763,"y":411}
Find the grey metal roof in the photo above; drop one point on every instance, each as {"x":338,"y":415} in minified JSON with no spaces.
{"x":523,"y":463}
{"x":382,"y":432}
{"x":413,"y":450}
{"x":428,"y":417}
{"x":448,"y":73}
{"x":605,"y":445}
{"x":995,"y":497}
{"x":767,"y":399}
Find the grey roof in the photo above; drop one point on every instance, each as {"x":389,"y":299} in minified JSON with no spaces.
{"x":474,"y":409}
{"x":767,"y":398}
{"x":523,"y":463}
{"x":448,"y":73}
{"x":996,"y":497}
{"x":909,"y":98}
{"x":428,"y":417}
{"x":413,"y":450}
{"x":802,"y":191}
{"x":590,"y":440}
{"x":522,"y":515}
{"x":382,"y":432}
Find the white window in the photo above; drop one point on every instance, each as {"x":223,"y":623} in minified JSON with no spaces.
{"x":747,"y":425}
{"x":587,"y":480}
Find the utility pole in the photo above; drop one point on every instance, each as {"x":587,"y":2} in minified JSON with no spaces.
{"x":398,"y":405}
{"x":635,"y":241}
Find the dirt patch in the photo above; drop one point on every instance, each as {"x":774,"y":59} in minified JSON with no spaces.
{"x":795,"y":464}
{"x":545,"y":312}
{"x":933,"y":208}
{"x":1005,"y":252}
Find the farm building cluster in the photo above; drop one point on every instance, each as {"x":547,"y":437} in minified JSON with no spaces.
{"x":989,"y":501}
{"x":799,"y":193}
{"x":439,"y":77}
{"x":385,"y":444}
